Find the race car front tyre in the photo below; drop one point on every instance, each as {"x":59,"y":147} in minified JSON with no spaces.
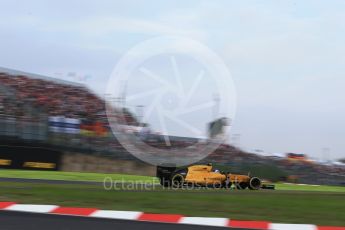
{"x":227,"y":185}
{"x":241,"y":185}
{"x":254,"y":183}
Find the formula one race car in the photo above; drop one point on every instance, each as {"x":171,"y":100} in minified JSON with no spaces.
{"x":205,"y":175}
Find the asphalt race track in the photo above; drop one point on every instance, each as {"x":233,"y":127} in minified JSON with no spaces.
{"x":31,"y":221}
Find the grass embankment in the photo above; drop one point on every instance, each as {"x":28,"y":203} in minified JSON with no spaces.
{"x":73,"y":176}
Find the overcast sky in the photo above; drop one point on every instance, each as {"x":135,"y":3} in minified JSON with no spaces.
{"x":287,"y":58}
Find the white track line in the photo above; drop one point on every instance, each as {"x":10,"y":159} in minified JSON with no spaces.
{"x":31,"y":208}
{"x":292,"y":227}
{"x":205,"y":221}
{"x":125,"y":215}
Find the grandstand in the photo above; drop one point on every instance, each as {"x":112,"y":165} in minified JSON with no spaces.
{"x":52,"y":113}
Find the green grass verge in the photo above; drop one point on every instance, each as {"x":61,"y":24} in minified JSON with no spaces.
{"x":72,"y":176}
{"x":311,"y":188}
{"x":321,"y":208}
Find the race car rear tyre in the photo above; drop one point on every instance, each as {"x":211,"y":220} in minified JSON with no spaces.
{"x":164,"y":182}
{"x":177,"y":181}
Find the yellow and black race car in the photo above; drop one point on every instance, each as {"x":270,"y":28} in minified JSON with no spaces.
{"x":205,"y":175}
